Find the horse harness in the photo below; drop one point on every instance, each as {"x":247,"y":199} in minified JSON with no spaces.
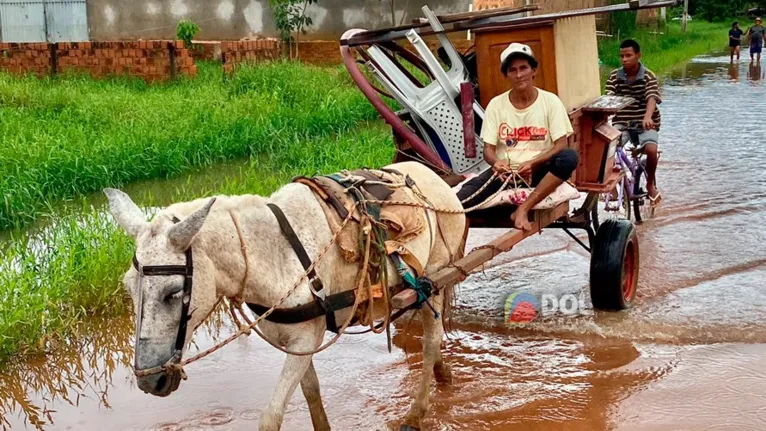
{"x":187,"y":270}
{"x":322,"y":305}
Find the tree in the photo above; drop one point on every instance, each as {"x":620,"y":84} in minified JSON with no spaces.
{"x":290,"y":17}
{"x":712,"y":10}
{"x":715,"y":9}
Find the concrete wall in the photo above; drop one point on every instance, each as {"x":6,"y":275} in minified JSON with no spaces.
{"x":236,"y":19}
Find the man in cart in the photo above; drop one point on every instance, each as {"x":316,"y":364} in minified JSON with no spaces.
{"x":525,"y":133}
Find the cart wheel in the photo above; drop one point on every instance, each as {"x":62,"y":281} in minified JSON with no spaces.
{"x":594,"y":218}
{"x":614,"y":266}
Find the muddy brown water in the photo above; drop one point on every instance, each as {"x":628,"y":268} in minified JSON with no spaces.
{"x":690,"y":355}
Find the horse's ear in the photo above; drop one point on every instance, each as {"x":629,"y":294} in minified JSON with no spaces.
{"x":126,"y":212}
{"x":182,"y":234}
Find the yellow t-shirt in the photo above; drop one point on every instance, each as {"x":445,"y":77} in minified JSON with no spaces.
{"x":523,"y":134}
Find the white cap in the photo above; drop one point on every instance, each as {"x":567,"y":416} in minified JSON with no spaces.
{"x":516,"y":48}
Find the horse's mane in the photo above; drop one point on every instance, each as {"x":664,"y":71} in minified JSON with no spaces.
{"x":222,"y":203}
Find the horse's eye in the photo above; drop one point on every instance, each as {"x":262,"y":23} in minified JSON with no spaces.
{"x":173,"y":296}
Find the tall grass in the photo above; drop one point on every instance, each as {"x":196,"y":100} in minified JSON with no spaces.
{"x":65,"y":137}
{"x":52,"y":278}
{"x":662,"y":52}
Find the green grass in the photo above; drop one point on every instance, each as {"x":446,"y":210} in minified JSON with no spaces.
{"x":51,"y":279}
{"x":662,"y":52}
{"x":69,"y":136}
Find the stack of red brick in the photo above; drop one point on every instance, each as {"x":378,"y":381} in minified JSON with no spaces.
{"x":319,"y":52}
{"x":248,"y":51}
{"x":25,"y":58}
{"x":149,"y":60}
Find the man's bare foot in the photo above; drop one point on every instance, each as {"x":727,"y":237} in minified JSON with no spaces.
{"x":521,"y":220}
{"x":654,"y":195}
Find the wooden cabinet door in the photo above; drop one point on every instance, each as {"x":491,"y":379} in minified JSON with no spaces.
{"x":491,"y":43}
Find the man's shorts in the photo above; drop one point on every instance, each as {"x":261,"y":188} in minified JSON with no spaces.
{"x":645,"y":137}
{"x":756,"y":48}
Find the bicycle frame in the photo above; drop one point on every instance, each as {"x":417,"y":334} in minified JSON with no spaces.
{"x":633,"y":168}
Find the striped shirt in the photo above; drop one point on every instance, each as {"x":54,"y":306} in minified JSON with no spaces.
{"x":644,"y":87}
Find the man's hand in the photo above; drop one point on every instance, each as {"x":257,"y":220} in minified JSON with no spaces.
{"x":501,"y":166}
{"x":649,"y":123}
{"x":525,"y":169}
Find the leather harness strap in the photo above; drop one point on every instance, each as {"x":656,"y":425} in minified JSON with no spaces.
{"x":295,"y":243}
{"x":306,"y":312}
{"x":328,"y":305}
{"x":320,"y":306}
{"x":186,"y":270}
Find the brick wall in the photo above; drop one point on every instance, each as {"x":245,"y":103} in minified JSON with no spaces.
{"x":209,"y":50}
{"x":320,"y":52}
{"x":248,"y":51}
{"x":25,"y":58}
{"x":149,"y":60}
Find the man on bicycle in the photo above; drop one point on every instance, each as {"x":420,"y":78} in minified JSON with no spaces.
{"x":634,"y":80}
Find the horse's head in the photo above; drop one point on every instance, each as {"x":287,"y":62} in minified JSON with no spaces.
{"x":165,"y":290}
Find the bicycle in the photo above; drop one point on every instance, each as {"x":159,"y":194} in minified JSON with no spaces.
{"x":631,"y":189}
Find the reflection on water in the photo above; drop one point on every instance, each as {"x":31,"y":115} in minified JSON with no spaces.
{"x":688,"y":355}
{"x":80,"y":369}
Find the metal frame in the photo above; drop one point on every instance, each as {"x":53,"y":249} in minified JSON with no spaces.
{"x":477,"y":20}
{"x":377,"y":50}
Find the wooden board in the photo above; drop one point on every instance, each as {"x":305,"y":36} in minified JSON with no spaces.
{"x":484,"y":254}
{"x":608,"y":185}
{"x":608,"y":104}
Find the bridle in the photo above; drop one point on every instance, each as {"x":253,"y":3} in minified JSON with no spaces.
{"x":187,"y":270}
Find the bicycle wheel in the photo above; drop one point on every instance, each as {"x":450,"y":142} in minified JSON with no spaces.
{"x":642,"y":209}
{"x":626,"y":204}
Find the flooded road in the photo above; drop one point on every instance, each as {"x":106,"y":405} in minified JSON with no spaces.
{"x":690,"y":355}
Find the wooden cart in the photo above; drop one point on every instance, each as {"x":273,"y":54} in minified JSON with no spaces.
{"x":443,"y":93}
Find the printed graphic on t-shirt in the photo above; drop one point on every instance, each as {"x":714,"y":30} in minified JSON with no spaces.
{"x":512,"y":135}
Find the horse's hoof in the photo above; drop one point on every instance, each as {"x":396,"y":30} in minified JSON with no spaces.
{"x":408,"y":428}
{"x":443,"y":373}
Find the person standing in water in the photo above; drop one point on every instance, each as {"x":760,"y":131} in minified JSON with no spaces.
{"x":756,"y":33}
{"x":735,"y":40}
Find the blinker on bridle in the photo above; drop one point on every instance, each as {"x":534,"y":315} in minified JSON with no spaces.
{"x":187,"y":270}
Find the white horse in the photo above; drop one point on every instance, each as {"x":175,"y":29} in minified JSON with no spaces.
{"x":207,"y":228}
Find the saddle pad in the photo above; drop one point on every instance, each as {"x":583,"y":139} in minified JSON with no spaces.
{"x":402,"y":223}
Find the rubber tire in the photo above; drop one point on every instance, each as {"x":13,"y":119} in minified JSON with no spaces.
{"x":594,"y":218}
{"x":614,"y":240}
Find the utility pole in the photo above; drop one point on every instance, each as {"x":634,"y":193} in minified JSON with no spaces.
{"x":683,"y":18}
